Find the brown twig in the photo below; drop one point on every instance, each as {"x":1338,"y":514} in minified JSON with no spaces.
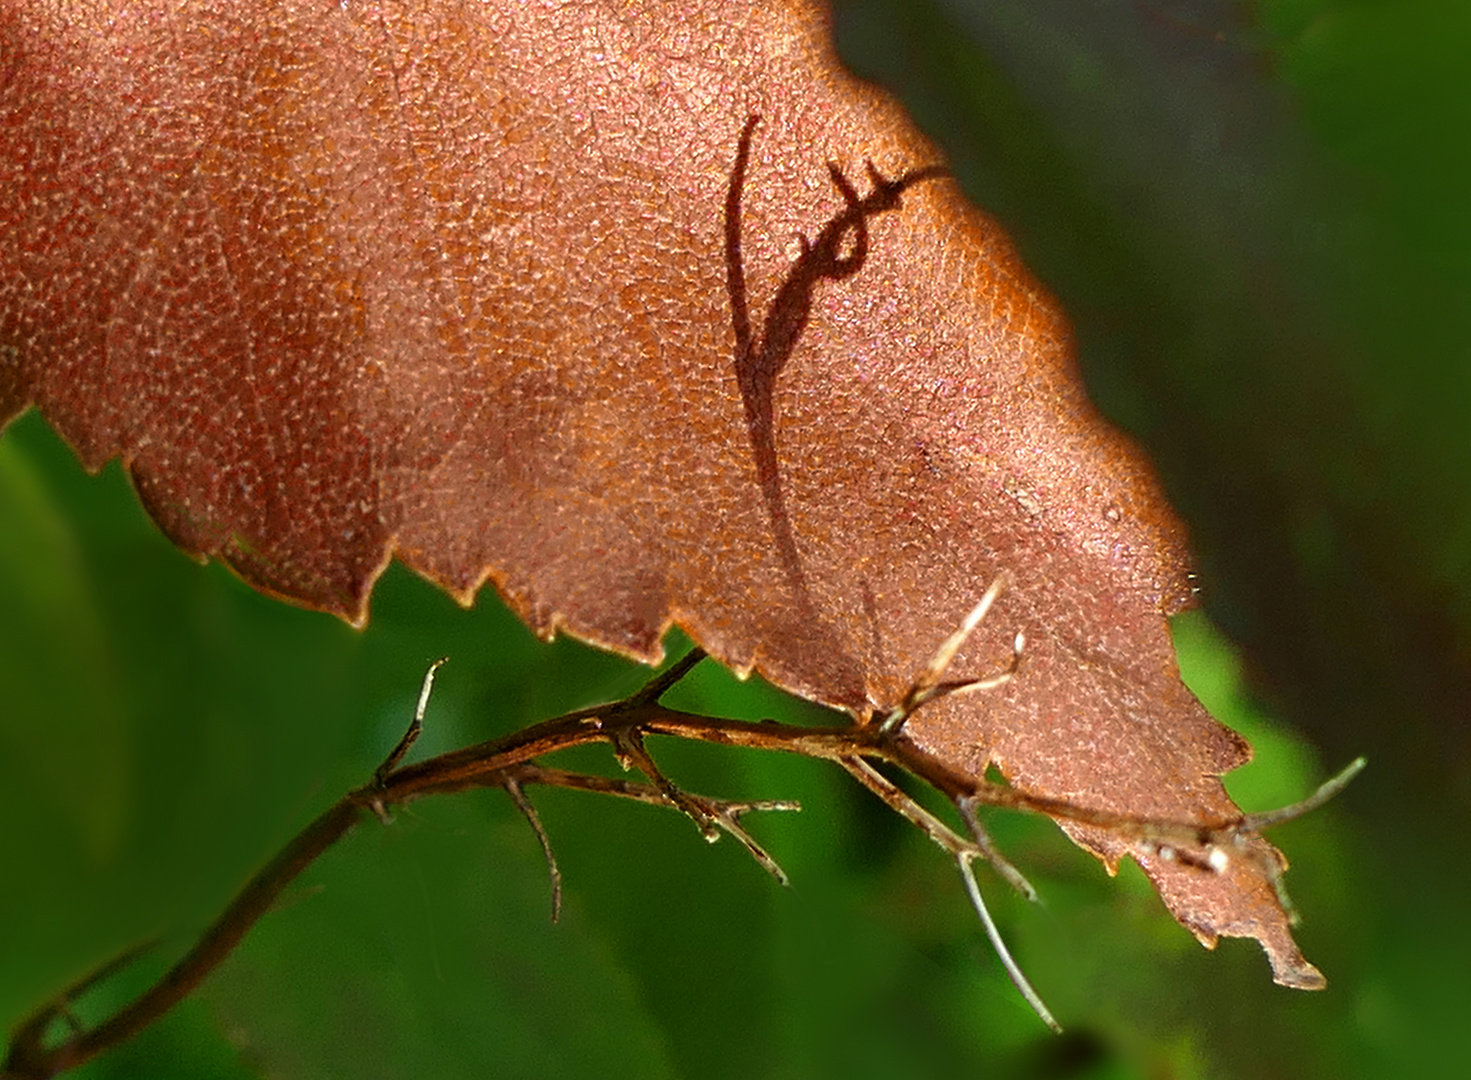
{"x":503,"y":763}
{"x":510,"y":763}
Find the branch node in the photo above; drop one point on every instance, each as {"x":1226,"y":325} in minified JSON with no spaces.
{"x":628,"y":745}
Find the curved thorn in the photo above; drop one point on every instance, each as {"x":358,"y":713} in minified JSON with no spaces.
{"x":999,"y":862}
{"x":416,"y":727}
{"x":1012,"y":970}
{"x":1253,"y":823}
{"x":518,"y":796}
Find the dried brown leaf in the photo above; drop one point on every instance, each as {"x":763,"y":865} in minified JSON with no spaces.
{"x":521,"y":294}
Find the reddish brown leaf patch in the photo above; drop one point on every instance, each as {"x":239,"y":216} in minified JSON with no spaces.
{"x":522,"y":294}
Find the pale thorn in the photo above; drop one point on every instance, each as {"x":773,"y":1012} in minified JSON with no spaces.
{"x":415,"y":728}
{"x":991,"y":682}
{"x":426,"y":689}
{"x":1252,"y":824}
{"x":1013,"y":971}
{"x":966,"y":806}
{"x":945,"y":655}
{"x":927,"y":686}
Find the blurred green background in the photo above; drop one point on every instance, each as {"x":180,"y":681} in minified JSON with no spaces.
{"x":1258,"y":218}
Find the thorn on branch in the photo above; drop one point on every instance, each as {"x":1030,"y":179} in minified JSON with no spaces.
{"x":28,"y":1042}
{"x":406,"y":743}
{"x":901,"y":803}
{"x":988,"y":850}
{"x":1255,"y":823}
{"x":963,"y":851}
{"x":1013,"y":971}
{"x":725,"y":813}
{"x":1212,"y":848}
{"x":929,"y":684}
{"x":1236,"y":837}
{"x":510,"y":762}
{"x":513,"y":788}
{"x":660,"y":684}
